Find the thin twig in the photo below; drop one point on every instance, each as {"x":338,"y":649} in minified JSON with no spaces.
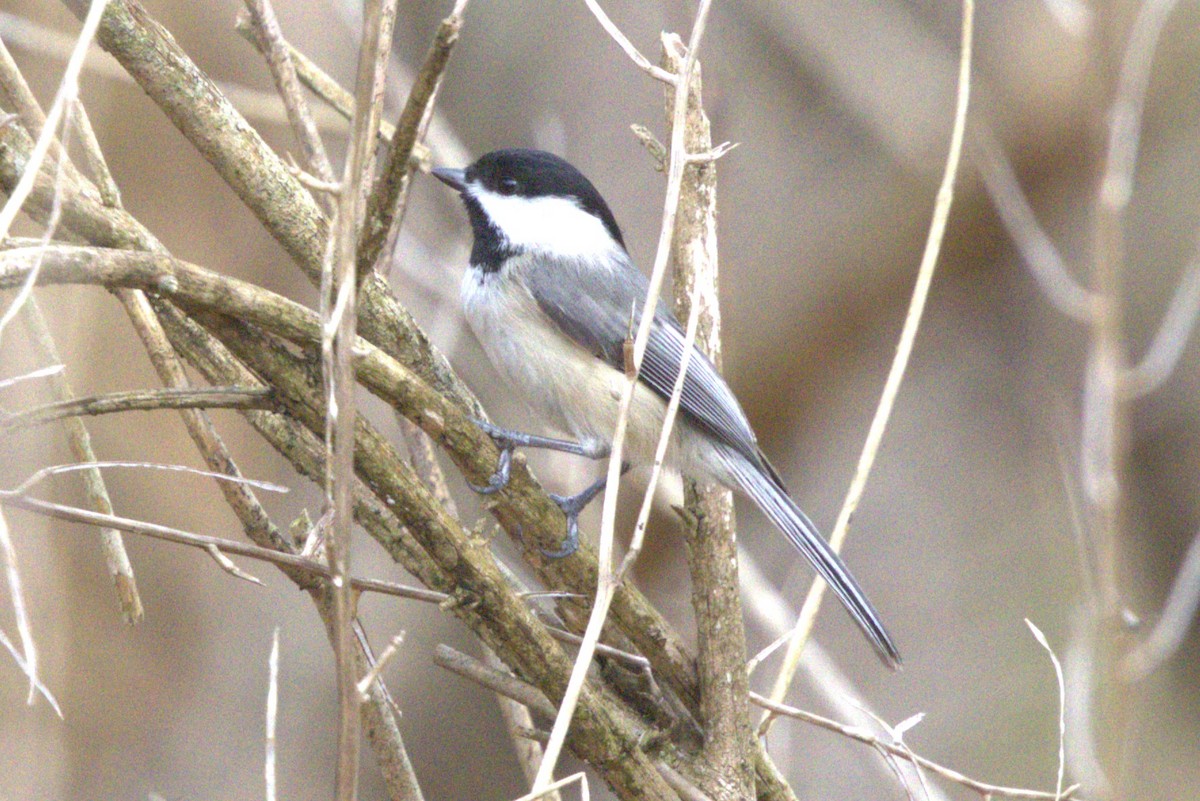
{"x":912,"y":322}
{"x":45,"y":472}
{"x":519,"y":723}
{"x":372,"y":675}
{"x":110,"y":194}
{"x":1162,"y":357}
{"x":317,"y":80}
{"x":1037,"y":249}
{"x":856,"y":733}
{"x":140,"y":400}
{"x":23,"y":665}
{"x":291,"y":561}
{"x":645,"y":64}
{"x":269,"y":39}
{"x":554,"y":787}
{"x":1178,"y":615}
{"x":32,"y":375}
{"x":385,"y":208}
{"x":226,"y":564}
{"x":685,"y":789}
{"x":1062,"y":704}
{"x":12,"y":576}
{"x":80,"y":441}
{"x":495,"y":680}
{"x":339,"y":319}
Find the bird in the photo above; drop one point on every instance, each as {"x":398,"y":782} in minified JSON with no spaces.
{"x":552,"y":296}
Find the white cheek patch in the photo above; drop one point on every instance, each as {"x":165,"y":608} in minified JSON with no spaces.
{"x":553,"y":224}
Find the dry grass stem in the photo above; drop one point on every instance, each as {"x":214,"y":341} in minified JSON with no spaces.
{"x":23,"y":665}
{"x":554,"y":787}
{"x":28,"y":658}
{"x":33,"y":375}
{"x":1062,"y":705}
{"x":607,"y":580}
{"x":272,"y":716}
{"x":63,"y":99}
{"x":339,"y":317}
{"x":912,"y":322}
{"x":372,"y":675}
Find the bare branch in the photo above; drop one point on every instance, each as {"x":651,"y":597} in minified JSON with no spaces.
{"x":226,"y":564}
{"x":269,"y":39}
{"x":647,"y":66}
{"x":1037,"y":250}
{"x":1178,"y":614}
{"x":903,"y":752}
{"x":495,"y":680}
{"x":140,"y":400}
{"x":79,"y":439}
{"x":1165,"y":350}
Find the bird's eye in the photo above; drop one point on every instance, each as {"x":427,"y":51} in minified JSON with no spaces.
{"x":509,"y":186}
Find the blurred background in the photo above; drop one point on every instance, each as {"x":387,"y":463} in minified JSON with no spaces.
{"x":842,"y":114}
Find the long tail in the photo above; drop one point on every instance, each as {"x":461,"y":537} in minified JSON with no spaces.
{"x":766,"y":490}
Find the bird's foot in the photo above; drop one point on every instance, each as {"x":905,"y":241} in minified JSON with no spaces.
{"x":571,"y":506}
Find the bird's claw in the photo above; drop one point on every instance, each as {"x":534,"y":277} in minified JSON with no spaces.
{"x":499,"y":479}
{"x":507,"y":443}
{"x":571,"y":506}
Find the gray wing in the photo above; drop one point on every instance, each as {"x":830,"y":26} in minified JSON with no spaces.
{"x":594,"y":307}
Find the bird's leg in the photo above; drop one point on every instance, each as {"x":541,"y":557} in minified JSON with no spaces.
{"x":508,"y":441}
{"x":571,"y":505}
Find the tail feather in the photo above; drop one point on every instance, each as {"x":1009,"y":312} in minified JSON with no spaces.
{"x":768,"y":492}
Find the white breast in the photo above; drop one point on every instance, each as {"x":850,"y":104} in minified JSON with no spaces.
{"x":569,"y":389}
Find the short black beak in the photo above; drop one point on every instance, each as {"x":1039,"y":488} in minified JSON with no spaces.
{"x":455,"y":179}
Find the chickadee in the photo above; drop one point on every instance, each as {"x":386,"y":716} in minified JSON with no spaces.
{"x":551,"y":295}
